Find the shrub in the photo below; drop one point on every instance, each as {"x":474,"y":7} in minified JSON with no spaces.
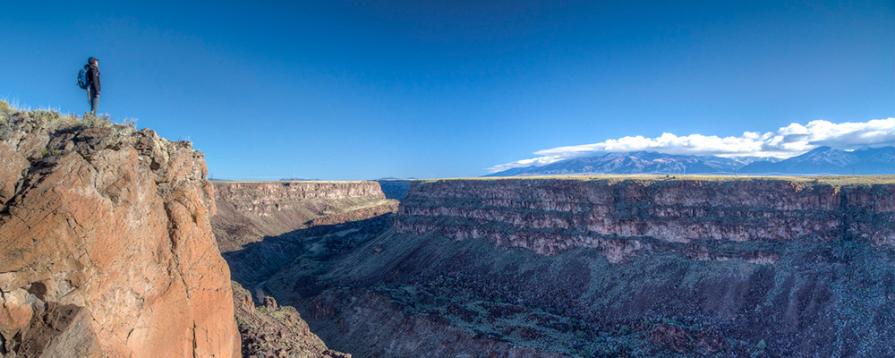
{"x":91,"y":120}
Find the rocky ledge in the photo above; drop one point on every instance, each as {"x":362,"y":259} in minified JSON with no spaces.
{"x":106,"y":247}
{"x":270,"y":330}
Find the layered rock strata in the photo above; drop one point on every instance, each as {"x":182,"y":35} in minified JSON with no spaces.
{"x":250,"y":211}
{"x":548,"y":216}
{"x":641,"y":267}
{"x":106,"y":247}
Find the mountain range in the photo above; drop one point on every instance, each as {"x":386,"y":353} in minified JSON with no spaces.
{"x":821,"y":160}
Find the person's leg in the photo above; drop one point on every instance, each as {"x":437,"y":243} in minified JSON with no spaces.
{"x":90,"y":98}
{"x":94,"y":102}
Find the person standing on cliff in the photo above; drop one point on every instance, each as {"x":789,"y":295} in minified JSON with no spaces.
{"x":91,"y":71}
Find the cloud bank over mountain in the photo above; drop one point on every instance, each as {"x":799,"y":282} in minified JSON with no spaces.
{"x":789,"y":141}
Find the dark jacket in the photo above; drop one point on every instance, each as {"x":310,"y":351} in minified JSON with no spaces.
{"x":93,"y":79}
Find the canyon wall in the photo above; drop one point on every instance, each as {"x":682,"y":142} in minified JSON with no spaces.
{"x":256,"y":223}
{"x":548,"y":216}
{"x":250,"y":211}
{"x":106,"y":247}
{"x":623,"y":266}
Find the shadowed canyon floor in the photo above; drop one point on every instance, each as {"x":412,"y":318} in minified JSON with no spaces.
{"x":632,"y":266}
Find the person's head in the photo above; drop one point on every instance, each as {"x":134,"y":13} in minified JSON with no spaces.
{"x":93,"y":61}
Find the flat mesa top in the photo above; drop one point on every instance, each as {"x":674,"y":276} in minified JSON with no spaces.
{"x":311,"y":181}
{"x":807,"y":179}
{"x":821,"y":179}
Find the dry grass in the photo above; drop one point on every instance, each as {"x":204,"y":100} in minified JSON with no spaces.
{"x":54,"y":119}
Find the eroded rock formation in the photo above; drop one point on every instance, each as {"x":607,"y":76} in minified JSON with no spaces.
{"x":548,"y":216}
{"x":106,"y":247}
{"x":250,"y":211}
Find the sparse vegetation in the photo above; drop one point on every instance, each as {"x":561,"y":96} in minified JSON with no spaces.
{"x":54,"y":119}
{"x":94,"y":121}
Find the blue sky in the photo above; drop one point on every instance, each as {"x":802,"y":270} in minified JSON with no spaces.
{"x":342,"y":90}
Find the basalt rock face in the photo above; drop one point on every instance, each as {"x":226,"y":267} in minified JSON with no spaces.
{"x":549,"y":216}
{"x":541,"y":267}
{"x":273,"y":331}
{"x":250,"y":211}
{"x":106,"y":247}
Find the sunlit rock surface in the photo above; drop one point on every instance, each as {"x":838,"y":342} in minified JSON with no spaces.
{"x":106,"y":247}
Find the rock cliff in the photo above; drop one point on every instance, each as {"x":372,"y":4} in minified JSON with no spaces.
{"x":602,"y":267}
{"x":106,"y":247}
{"x":250,"y":211}
{"x":548,"y":216}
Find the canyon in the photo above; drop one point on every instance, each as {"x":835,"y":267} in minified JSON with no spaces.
{"x":598,"y":266}
{"x":113,"y":242}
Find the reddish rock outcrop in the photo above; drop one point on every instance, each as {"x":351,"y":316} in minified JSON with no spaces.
{"x":106,"y":247}
{"x":249,"y":211}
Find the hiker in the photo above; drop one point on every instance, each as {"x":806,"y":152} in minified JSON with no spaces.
{"x":88,"y":79}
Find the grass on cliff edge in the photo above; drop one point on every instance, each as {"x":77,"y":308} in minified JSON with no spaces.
{"x":57,"y":120}
{"x":836,"y":180}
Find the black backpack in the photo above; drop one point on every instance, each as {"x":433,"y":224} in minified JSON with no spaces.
{"x":82,"y":78}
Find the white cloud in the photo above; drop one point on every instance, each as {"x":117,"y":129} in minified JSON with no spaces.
{"x":785,"y":142}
